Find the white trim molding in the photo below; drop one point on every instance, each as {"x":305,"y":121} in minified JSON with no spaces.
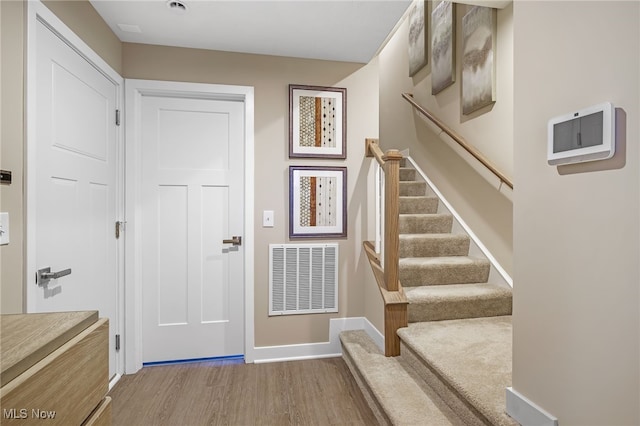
{"x":374,"y":333}
{"x":134,"y":90}
{"x":526,"y":412}
{"x":330,"y":349}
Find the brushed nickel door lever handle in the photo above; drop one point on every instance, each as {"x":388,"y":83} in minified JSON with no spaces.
{"x":235,"y":240}
{"x":44,"y":275}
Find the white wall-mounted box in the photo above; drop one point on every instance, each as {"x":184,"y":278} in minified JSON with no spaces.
{"x":588,"y":134}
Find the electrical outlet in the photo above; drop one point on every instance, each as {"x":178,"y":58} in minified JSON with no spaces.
{"x":4,"y":228}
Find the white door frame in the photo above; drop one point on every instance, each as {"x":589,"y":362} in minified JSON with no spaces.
{"x":134,"y":90}
{"x":36,"y":11}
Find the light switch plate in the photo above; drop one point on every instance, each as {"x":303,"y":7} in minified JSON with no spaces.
{"x":4,"y":228}
{"x":267,"y":219}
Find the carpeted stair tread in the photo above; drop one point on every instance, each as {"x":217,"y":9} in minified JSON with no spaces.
{"x":415,"y":271}
{"x":457,"y":301}
{"x":412,"y":188}
{"x":432,"y":245}
{"x":418,"y":223}
{"x":403,"y":401}
{"x":418,"y":204}
{"x":472,"y":356}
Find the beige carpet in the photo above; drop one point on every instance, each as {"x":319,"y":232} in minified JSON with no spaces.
{"x":473,"y":356}
{"x":425,"y":223}
{"x":456,"y":353}
{"x":402,"y":399}
{"x":440,"y":279}
{"x":432,"y":245}
{"x":456,"y":301}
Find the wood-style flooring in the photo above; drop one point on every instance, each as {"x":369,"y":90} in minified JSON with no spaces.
{"x":310,"y":392}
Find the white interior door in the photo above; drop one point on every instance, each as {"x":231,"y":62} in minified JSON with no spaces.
{"x":191,"y":200}
{"x":75,"y":184}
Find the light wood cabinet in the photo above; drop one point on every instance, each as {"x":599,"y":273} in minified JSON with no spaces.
{"x":56,"y":367}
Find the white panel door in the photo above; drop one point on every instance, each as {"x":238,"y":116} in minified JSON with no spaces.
{"x":192,"y":200}
{"x":75,"y":188}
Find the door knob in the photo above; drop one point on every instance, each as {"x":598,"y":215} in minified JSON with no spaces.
{"x":44,"y":275}
{"x":235,"y":240}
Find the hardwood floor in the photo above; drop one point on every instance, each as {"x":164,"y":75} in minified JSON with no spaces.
{"x":312,"y":392}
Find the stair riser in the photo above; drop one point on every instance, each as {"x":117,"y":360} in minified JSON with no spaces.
{"x":414,"y":275}
{"x":459,"y":309}
{"x":407,"y":174}
{"x":433,"y":247}
{"x":418,"y":205}
{"x":425,"y":224}
{"x":413,"y":189}
{"x":368,"y":394}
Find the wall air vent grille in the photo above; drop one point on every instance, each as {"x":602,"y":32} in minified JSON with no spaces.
{"x":303,"y":278}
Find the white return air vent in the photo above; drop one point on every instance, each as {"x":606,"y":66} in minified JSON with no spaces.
{"x":303,"y":278}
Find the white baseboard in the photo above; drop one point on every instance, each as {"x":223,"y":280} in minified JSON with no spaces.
{"x":329,"y":349}
{"x":375,"y":334}
{"x":115,"y":379}
{"x":526,"y":412}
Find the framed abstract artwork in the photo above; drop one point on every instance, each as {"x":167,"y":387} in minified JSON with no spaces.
{"x":317,"y":122}
{"x":443,"y":46}
{"x":479,"y":28}
{"x":417,"y":38}
{"x":317,"y":202}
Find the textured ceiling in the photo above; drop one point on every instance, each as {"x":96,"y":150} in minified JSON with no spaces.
{"x":341,"y":30}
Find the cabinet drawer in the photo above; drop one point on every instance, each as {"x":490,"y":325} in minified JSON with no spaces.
{"x":65,"y":386}
{"x":102,"y":415}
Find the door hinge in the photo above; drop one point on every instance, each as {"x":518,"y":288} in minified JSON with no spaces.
{"x":117,"y":342}
{"x":117,"y":117}
{"x":119,"y":227}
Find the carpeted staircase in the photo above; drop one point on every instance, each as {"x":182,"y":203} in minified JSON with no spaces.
{"x":455,"y":361}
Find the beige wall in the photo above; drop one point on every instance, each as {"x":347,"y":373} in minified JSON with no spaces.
{"x":11,"y":154}
{"x":84,"y":20}
{"x":270,"y":76}
{"x":488,"y":213}
{"x":576,"y":323}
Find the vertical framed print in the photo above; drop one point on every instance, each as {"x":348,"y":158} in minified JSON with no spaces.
{"x":479,"y":29}
{"x":317,"y":122}
{"x":317,"y":202}
{"x":443,"y":47}
{"x":418,"y":41}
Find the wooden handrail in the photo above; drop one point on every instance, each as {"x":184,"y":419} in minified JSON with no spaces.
{"x":459,"y":140}
{"x":372,"y":149}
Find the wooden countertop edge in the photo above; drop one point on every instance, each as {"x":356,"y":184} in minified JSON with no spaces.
{"x":32,"y":358}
